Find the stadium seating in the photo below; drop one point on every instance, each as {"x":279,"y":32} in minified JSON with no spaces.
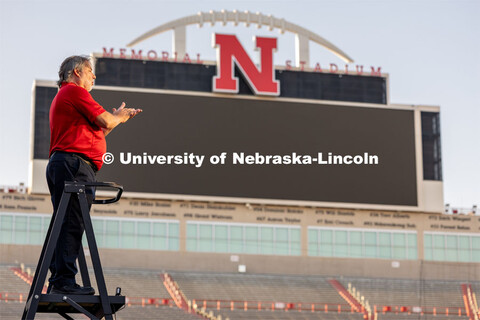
{"x":264,"y":296}
{"x":275,"y":297}
{"x":398,"y":297}
{"x":154,"y":313}
{"x":135,"y":283}
{"x":139,"y":286}
{"x":401,"y":292}
{"x":13,"y":311}
{"x":291,"y":315}
{"x":266,"y":288}
{"x":9,"y":282}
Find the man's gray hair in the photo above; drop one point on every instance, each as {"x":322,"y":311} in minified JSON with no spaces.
{"x":70,"y":64}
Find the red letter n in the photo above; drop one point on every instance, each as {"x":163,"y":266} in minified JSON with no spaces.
{"x":229,"y":50}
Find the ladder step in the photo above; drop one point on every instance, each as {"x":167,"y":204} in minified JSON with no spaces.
{"x":55,"y":303}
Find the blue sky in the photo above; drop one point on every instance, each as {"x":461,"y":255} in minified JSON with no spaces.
{"x":429,"y":48}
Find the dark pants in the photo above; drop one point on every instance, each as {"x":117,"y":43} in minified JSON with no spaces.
{"x":68,"y":167}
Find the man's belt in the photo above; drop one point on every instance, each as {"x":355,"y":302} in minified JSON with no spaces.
{"x":82,"y":157}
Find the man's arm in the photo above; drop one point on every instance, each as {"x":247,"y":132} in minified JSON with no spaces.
{"x":105,"y":131}
{"x":107,"y":121}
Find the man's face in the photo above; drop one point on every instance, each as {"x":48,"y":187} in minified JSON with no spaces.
{"x":86,"y":77}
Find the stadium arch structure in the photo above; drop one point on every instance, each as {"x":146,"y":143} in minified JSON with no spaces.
{"x":302,"y":36}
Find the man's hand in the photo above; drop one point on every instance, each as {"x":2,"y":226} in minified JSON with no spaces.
{"x":126,"y":113}
{"x":107,"y":121}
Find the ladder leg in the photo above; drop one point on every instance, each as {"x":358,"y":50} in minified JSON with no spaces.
{"x":82,"y":264}
{"x":49,"y":231}
{"x":97,"y":266}
{"x":45,"y":259}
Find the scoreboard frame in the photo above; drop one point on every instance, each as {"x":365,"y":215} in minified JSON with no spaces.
{"x":429,"y":193}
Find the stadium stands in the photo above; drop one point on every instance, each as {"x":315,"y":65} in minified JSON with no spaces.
{"x":293,"y":315}
{"x":135,"y":283}
{"x":145,"y":291}
{"x":411,"y":299}
{"x":9,"y":282}
{"x":402,"y":292}
{"x":13,"y":311}
{"x":248,"y":287}
{"x":419,"y":317}
{"x":249,"y":296}
{"x":154,"y":313}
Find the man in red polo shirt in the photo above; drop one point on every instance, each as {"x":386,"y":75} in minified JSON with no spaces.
{"x":78,"y":126}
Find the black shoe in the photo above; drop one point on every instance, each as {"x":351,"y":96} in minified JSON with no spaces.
{"x":73,"y":289}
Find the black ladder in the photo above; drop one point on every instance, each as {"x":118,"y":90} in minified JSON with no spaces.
{"x":93,"y":306}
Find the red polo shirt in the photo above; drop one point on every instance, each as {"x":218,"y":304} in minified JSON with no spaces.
{"x":72,"y":124}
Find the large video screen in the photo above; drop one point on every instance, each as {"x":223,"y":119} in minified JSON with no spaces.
{"x":247,"y":147}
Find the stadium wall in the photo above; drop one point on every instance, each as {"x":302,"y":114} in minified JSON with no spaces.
{"x":24,"y":219}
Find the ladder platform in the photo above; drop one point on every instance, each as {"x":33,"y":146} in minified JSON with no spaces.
{"x":55,"y":303}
